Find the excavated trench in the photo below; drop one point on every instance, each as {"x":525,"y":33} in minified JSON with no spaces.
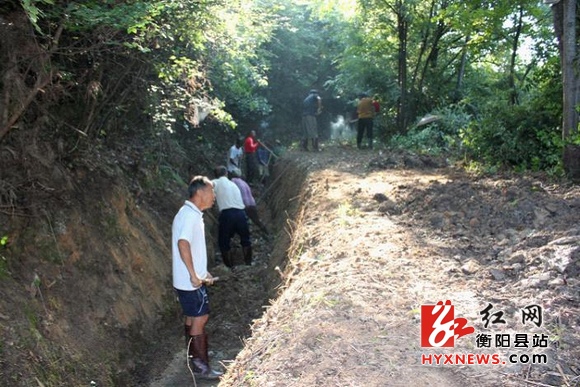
{"x":125,"y":327}
{"x":241,"y":295}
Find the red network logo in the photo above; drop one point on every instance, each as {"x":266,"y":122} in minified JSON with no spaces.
{"x":439,"y":327}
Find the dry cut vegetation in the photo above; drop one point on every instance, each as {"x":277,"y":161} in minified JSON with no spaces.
{"x":366,"y":238}
{"x":376,"y":236}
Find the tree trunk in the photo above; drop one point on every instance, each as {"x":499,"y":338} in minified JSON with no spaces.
{"x":570,"y":77}
{"x":41,"y":82}
{"x":402,"y":26}
{"x":425,"y":35}
{"x":461,"y":71}
{"x":515,"y":44}
{"x":571,"y":161}
{"x":43,"y":78}
{"x":565,"y":27}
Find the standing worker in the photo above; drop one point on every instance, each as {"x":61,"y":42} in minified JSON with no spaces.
{"x":251,"y":145}
{"x":232,"y":219}
{"x":249,"y":202}
{"x":190,"y":275}
{"x":366,"y":113}
{"x":263,"y":163}
{"x":311,"y":107}
{"x":235,"y":156}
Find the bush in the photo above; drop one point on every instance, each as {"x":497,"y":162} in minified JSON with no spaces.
{"x":514,"y":136}
{"x":440,"y":136}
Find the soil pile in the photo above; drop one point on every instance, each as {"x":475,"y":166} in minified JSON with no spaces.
{"x":375,"y":237}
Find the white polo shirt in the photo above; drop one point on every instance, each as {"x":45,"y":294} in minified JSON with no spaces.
{"x":188,"y":225}
{"x":235,"y":154}
{"x":227,"y":194}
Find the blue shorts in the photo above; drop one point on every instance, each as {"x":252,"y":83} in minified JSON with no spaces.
{"x":194,"y":303}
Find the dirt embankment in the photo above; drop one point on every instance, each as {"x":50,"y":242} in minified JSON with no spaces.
{"x":362,"y":241}
{"x":377,"y":236}
{"x":85,"y":278}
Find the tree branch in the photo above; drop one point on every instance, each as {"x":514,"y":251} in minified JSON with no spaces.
{"x":41,"y":82}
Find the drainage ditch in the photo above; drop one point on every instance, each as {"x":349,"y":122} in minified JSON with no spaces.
{"x":241,"y":295}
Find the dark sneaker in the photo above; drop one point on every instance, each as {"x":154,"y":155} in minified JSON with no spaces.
{"x":197,"y":366}
{"x":203,"y":371}
{"x":210,"y":375}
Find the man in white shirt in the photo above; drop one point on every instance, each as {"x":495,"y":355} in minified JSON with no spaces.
{"x":235,"y":155}
{"x":190,"y":274}
{"x":232,"y":219}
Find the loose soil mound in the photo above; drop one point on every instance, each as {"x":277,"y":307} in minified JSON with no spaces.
{"x":374,"y":237}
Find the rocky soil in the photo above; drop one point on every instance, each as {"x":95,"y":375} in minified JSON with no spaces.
{"x":364,"y":239}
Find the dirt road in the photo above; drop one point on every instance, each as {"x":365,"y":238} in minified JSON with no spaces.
{"x":374,"y":237}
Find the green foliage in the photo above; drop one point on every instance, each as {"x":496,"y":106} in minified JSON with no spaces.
{"x":209,"y":61}
{"x":367,"y":61}
{"x":242,"y":61}
{"x":440,"y":38}
{"x":575,"y":139}
{"x":440,"y":136}
{"x":33,"y":12}
{"x":302,"y":55}
{"x":164,"y":176}
{"x":3,"y":260}
{"x":512,"y":137}
{"x":239,"y":62}
{"x":88,"y":15}
{"x":525,"y":136}
{"x":427,"y":140}
{"x":206,"y":54}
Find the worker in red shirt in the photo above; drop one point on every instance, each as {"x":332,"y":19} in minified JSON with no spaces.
{"x":376,"y":104}
{"x":251,"y":145}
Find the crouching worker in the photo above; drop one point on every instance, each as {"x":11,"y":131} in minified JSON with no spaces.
{"x":190,"y":275}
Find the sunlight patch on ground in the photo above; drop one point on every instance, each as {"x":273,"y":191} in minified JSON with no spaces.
{"x":383,"y":250}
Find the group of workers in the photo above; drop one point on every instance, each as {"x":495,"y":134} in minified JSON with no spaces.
{"x":256,"y":156}
{"x":366,"y":110}
{"x":236,"y":206}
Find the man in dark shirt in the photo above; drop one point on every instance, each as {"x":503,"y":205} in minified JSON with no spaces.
{"x":311,"y":107}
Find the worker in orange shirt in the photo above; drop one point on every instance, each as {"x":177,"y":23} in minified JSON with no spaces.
{"x":366,"y":113}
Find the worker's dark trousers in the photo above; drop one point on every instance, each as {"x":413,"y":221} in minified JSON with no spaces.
{"x":364,"y":124}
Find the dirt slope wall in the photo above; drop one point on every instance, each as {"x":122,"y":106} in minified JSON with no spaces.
{"x":284,"y":198}
{"x":85,"y":286}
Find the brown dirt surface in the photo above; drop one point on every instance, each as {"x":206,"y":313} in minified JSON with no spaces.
{"x":365,"y":238}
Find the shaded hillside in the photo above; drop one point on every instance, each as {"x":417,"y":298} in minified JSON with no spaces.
{"x":107,"y":111}
{"x":89,"y":184}
{"x":85,"y":273}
